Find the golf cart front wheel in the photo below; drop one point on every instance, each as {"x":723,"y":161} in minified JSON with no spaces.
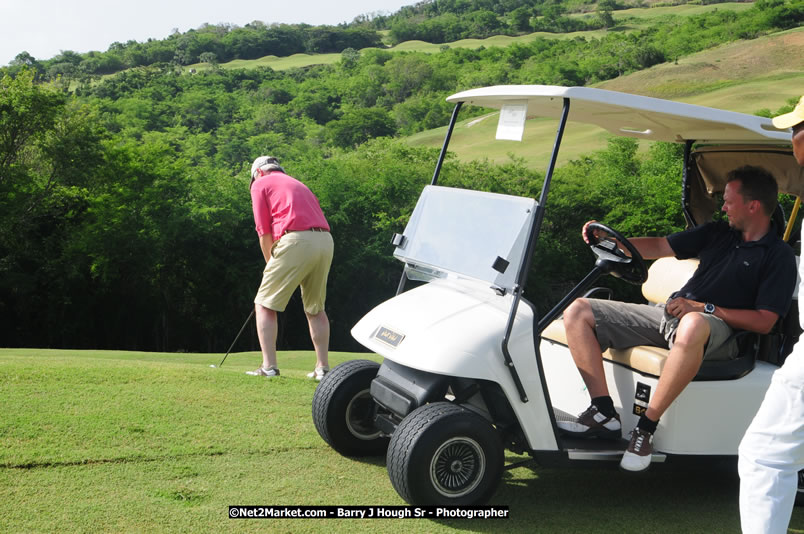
{"x":344,"y":410}
{"x":445,"y":454}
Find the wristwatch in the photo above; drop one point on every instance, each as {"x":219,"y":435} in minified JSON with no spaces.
{"x":709,"y":308}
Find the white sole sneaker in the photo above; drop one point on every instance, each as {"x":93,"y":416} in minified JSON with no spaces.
{"x":590,"y":424}
{"x":268,"y":373}
{"x":318,"y":374}
{"x":638,"y":455}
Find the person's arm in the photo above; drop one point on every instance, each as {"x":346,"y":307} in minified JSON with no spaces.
{"x":266,"y":244}
{"x":650,"y":248}
{"x":263,"y":220}
{"x":760,"y":321}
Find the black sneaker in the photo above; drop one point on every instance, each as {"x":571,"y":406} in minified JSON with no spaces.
{"x":591,"y":424}
{"x":638,"y":454}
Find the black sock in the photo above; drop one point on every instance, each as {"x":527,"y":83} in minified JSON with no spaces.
{"x":647,"y":424}
{"x":604,"y":405}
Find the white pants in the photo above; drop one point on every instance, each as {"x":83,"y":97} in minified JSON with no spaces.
{"x":772,"y":451}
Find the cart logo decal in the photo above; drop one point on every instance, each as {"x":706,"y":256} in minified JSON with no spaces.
{"x":388,"y":336}
{"x":641,"y":398}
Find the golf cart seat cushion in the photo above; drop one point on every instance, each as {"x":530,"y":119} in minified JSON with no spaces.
{"x":664,"y":276}
{"x":643,"y":358}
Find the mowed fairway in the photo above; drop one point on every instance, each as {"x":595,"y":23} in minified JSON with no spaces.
{"x":94,"y":441}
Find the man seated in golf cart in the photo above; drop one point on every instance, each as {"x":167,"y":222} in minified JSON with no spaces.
{"x":745,"y":281}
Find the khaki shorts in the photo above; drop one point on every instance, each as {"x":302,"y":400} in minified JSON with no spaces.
{"x":297,"y":259}
{"x":620,"y":325}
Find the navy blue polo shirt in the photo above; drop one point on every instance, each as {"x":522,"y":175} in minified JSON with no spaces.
{"x":753,"y":275}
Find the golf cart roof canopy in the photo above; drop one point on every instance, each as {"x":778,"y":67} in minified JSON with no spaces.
{"x":628,"y":115}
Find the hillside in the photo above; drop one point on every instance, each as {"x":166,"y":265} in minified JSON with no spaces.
{"x":776,"y":57}
{"x":627,"y":20}
{"x":745,"y":76}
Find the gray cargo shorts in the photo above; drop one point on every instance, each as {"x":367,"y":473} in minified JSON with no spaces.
{"x":620,"y":325}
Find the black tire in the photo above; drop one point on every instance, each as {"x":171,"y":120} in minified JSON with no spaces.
{"x":445,"y":454}
{"x":343,"y":410}
{"x":800,"y":490}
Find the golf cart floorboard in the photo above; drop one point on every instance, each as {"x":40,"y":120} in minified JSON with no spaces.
{"x":603,"y":446}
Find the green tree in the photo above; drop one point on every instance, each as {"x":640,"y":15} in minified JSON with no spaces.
{"x":519,"y":19}
{"x":406,"y":74}
{"x":51,"y":160}
{"x":315,"y":104}
{"x":24,"y":60}
{"x":606,"y":18}
{"x":209,"y":57}
{"x":350,"y":58}
{"x":27,"y":112}
{"x":359,"y":125}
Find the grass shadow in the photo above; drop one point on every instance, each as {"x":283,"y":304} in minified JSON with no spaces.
{"x":686,"y":495}
{"x":690,"y":497}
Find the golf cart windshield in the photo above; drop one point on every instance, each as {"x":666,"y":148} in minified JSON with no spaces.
{"x":464,"y":233}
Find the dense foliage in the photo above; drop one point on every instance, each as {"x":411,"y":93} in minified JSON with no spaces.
{"x":117,"y":237}
{"x":124,"y":214}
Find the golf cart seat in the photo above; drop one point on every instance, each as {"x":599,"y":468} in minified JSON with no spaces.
{"x":665,"y":276}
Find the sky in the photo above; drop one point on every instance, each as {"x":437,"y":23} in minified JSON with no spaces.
{"x":44,"y":28}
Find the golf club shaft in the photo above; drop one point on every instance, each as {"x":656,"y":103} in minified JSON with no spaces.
{"x":237,"y":337}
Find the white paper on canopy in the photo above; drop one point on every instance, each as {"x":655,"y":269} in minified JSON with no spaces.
{"x":512,"y":120}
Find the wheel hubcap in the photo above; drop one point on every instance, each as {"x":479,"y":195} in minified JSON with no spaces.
{"x":457,"y":467}
{"x":359,"y":416}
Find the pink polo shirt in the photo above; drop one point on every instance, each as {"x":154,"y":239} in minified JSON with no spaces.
{"x":282,"y":203}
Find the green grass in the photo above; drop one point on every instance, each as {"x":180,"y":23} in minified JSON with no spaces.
{"x":94,"y":441}
{"x":686,"y":10}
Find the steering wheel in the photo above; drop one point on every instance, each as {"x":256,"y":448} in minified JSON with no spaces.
{"x":612,"y":260}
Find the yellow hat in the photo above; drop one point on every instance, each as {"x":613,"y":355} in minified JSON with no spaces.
{"x":788,"y":120}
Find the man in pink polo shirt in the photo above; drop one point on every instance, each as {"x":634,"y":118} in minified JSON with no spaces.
{"x":298,"y":248}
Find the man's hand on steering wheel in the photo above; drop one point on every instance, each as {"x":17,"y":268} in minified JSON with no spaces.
{"x":597,"y":235}
{"x":608,"y":245}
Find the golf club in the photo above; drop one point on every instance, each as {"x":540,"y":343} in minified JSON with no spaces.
{"x":235,"y":339}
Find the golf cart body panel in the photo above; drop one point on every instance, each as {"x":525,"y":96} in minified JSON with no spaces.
{"x":708,"y":418}
{"x":464,"y":335}
{"x":466,"y":345}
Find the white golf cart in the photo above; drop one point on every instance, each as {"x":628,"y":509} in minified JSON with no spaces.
{"x":471,"y":369}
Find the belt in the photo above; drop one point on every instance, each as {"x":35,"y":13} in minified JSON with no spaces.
{"x":308,"y":230}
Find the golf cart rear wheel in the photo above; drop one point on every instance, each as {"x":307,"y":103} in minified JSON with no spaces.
{"x":344,"y":411}
{"x":445,"y":454}
{"x":800,"y":489}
